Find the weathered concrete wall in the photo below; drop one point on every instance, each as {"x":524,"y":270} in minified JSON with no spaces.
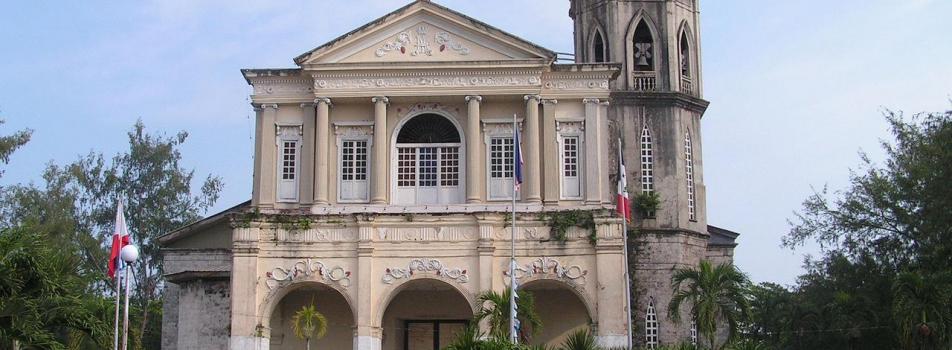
{"x":204,"y":315}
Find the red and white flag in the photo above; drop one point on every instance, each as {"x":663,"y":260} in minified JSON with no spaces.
{"x":120,"y":238}
{"x":623,"y":204}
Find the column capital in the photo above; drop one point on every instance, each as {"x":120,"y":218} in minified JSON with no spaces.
{"x":308,"y":104}
{"x":379,"y":99}
{"x":476,"y":98}
{"x":532,"y":97}
{"x":324,"y":100}
{"x":550,"y":101}
{"x":591,"y":100}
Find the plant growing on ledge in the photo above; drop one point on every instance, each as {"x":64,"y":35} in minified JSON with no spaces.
{"x":647,"y":203}
{"x":560,"y":221}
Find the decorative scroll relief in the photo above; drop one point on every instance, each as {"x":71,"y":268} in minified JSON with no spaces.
{"x":426,"y":81}
{"x":289,"y":131}
{"x":546,"y":266}
{"x":570,"y":127}
{"x":425,"y":265}
{"x":316,"y":235}
{"x":576,"y":84}
{"x":421,"y":234}
{"x":417,"y":43}
{"x":283,"y":87}
{"x":281,"y":276}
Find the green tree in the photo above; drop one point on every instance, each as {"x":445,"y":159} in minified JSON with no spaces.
{"x":923,"y":310}
{"x":42,"y":302}
{"x":495,"y":308}
{"x":158,"y":198}
{"x":10,"y":143}
{"x":308,"y":323}
{"x":713,"y":293}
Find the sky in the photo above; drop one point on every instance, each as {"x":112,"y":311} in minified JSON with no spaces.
{"x":797,"y":88}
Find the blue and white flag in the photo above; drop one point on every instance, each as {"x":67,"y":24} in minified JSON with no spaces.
{"x":517,"y":161}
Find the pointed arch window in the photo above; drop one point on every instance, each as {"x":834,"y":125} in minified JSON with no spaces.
{"x":694,"y":331}
{"x":647,"y":161}
{"x":599,"y":48}
{"x":689,"y":173}
{"x":651,"y":325}
{"x":687,"y":82}
{"x":643,"y":48}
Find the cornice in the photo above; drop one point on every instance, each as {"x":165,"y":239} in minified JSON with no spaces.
{"x":660,"y":99}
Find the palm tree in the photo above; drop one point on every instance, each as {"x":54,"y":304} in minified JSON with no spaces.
{"x":495,"y":307}
{"x":307,"y":321}
{"x":581,"y":339}
{"x":713,"y":293}
{"x":921,"y":306}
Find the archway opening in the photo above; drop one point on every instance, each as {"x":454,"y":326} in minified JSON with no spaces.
{"x":329,"y":302}
{"x":643,"y":48}
{"x":561,"y":310}
{"x":425,"y":314}
{"x":429,"y":160}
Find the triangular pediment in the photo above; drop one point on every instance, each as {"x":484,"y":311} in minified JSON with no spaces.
{"x":424,"y":32}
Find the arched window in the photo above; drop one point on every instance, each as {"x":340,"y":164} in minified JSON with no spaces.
{"x":694,"y":331}
{"x":428,"y":161}
{"x":689,"y":173}
{"x":643,"y":48}
{"x":651,"y":325}
{"x":685,"y":55}
{"x":599,"y":48}
{"x":647,"y":161}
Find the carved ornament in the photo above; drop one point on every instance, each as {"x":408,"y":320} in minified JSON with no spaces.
{"x":425,"y":265}
{"x":282,"y":276}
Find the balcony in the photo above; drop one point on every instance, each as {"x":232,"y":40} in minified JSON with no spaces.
{"x":644,"y":81}
{"x":687,"y":86}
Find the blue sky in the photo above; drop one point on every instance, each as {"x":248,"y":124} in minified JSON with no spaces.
{"x":796,"y":87}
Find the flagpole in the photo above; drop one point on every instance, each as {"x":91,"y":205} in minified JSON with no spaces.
{"x":624,"y":235}
{"x":125,"y":311}
{"x":512,"y":246}
{"x":115,"y":325}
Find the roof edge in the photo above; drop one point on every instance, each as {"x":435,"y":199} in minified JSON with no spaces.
{"x":194,"y":227}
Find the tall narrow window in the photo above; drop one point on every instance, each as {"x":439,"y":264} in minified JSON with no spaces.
{"x":689,"y":173}
{"x":687,"y":83}
{"x":685,"y":56}
{"x":571,"y":184}
{"x":643,"y":48}
{"x":647,"y":161}
{"x":353,"y":170}
{"x":289,"y":149}
{"x":500,"y":167}
{"x":651,"y":325}
{"x":600,"y":50}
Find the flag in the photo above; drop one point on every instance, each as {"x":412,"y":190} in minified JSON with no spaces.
{"x":517,"y":160}
{"x":623,"y":205}
{"x":120,"y":238}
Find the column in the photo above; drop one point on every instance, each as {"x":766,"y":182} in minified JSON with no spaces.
{"x":369,"y":334}
{"x":380,"y":160}
{"x":307,"y":155}
{"x":256,"y":177}
{"x":531,"y":176}
{"x":603,"y":153}
{"x":474,"y":160}
{"x":594,"y":174}
{"x":322,"y":127}
{"x":266,"y":150}
{"x":245,"y":334}
{"x":609,"y":265}
{"x":550,"y":150}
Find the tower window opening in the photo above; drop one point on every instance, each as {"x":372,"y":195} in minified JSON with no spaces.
{"x":685,"y":56}
{"x":599,"y":48}
{"x":643,"y":48}
{"x":689,"y":172}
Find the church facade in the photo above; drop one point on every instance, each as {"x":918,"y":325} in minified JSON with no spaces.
{"x":383,"y":186}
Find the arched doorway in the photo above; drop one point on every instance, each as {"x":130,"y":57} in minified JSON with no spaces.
{"x":429,"y":159}
{"x":329,"y":302}
{"x":424,"y":314}
{"x":561,"y":310}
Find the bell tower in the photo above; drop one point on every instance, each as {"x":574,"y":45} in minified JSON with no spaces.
{"x":656,"y":108}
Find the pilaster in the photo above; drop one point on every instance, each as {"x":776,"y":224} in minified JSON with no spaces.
{"x":368,"y":334}
{"x":322,"y":145}
{"x":245,"y":334}
{"x":380,"y":149}
{"x":307,"y":155}
{"x":550,"y":143}
{"x":593,"y":155}
{"x":267,"y":149}
{"x":532,"y":177}
{"x":474,"y":159}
